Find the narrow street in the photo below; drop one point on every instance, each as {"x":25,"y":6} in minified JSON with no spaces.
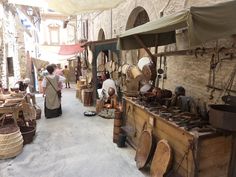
{"x":72,"y":146}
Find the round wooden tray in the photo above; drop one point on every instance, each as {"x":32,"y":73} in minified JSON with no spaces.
{"x":144,"y":149}
{"x":161,"y":160}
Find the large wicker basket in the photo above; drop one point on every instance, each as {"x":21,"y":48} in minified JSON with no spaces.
{"x":11,"y":140}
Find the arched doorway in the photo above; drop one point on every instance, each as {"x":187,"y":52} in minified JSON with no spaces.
{"x":137,"y":17}
{"x":101,"y":35}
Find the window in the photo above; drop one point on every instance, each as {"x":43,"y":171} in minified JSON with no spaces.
{"x":10,"y":68}
{"x":85,"y":29}
{"x":54,"y":34}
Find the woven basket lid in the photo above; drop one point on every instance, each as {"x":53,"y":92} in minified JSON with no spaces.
{"x":161,"y":159}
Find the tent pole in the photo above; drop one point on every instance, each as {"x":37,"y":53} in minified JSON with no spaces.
{"x":145,"y":48}
{"x":151,"y":55}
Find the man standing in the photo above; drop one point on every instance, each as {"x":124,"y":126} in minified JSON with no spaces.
{"x":66,"y":75}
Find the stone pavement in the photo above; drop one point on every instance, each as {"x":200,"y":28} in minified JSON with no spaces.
{"x":72,"y":146}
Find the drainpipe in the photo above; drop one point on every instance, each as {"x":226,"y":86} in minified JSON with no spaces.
{"x":111,"y":23}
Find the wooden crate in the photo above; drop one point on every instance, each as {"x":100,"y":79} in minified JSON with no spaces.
{"x":195,"y":155}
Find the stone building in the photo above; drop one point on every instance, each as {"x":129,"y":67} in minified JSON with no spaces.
{"x":185,"y":70}
{"x":14,"y":31}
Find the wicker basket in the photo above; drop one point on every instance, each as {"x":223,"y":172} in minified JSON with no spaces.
{"x":11,"y":144}
{"x":38,"y":111}
{"x":28,"y":133}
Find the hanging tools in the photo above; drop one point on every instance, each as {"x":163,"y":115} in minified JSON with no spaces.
{"x":212,"y":71}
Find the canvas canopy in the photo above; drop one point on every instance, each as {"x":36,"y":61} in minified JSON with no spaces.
{"x":70,"y":49}
{"x":203,"y":23}
{"x":73,"y":7}
{"x":39,"y":63}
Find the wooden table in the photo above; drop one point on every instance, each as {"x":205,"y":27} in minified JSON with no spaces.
{"x":195,"y":154}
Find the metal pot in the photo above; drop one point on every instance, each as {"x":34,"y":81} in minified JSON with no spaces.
{"x":223,"y":117}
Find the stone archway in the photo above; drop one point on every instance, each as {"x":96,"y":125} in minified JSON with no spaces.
{"x":137,"y":17}
{"x":101,"y":35}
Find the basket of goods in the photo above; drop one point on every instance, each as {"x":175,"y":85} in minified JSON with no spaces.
{"x":27,"y":122}
{"x":16,"y":90}
{"x":11,"y":141}
{"x":38,"y":111}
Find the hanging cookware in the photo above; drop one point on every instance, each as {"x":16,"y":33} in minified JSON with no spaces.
{"x":145,"y":88}
{"x":160,"y":70}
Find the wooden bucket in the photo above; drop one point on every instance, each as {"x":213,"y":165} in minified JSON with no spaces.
{"x":117,"y":126}
{"x":88,"y":97}
{"x":136,"y":73}
{"x":115,"y":137}
{"x":80,"y":90}
{"x":99,"y":105}
{"x":11,"y":141}
{"x":161,"y":160}
{"x":81,"y":82}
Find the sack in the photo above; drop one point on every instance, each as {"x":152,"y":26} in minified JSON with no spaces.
{"x":59,"y":93}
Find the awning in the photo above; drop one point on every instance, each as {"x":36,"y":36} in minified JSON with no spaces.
{"x":70,"y":49}
{"x":203,"y":23}
{"x":39,"y":63}
{"x":72,"y":7}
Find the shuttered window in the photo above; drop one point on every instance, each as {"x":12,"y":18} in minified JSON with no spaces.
{"x":10,"y":68}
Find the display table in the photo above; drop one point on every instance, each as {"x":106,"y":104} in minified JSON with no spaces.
{"x":196,"y":154}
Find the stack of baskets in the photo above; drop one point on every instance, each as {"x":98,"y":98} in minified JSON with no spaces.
{"x":11,"y":141}
{"x":27,"y":122}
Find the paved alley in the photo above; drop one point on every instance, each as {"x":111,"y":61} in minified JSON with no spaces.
{"x":72,"y":146}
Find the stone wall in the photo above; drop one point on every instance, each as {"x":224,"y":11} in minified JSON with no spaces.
{"x":9,"y":47}
{"x":188,"y":71}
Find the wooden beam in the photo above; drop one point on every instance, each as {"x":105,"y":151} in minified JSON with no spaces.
{"x":197,"y":52}
{"x":145,"y":48}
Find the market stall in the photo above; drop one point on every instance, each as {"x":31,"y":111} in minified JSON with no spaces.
{"x":94,"y":48}
{"x":198,"y":147}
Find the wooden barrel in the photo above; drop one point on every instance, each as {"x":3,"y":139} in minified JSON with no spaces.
{"x":81,"y":82}
{"x":117,"y":126}
{"x":99,"y":105}
{"x":88,"y":97}
{"x":80,"y":90}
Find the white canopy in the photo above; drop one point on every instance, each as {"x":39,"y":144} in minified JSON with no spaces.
{"x":73,"y":7}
